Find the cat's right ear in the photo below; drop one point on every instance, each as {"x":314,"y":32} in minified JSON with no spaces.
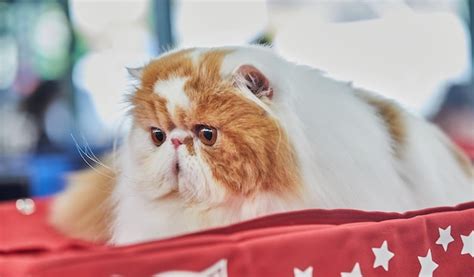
{"x":248,"y":76}
{"x":135,"y":72}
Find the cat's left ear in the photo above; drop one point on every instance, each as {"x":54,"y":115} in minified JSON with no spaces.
{"x":135,"y":72}
{"x":248,"y":76}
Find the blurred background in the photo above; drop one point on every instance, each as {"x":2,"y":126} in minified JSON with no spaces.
{"x":63,"y":77}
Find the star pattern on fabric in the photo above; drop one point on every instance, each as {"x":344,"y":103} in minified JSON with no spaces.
{"x":382,"y":256}
{"x":445,"y":237}
{"x":427,"y":265}
{"x":354,"y":273}
{"x":308,"y":272}
{"x":219,"y":269}
{"x":468,"y":244}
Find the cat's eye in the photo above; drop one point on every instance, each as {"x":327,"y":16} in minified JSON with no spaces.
{"x":207,"y":134}
{"x":158,"y":136}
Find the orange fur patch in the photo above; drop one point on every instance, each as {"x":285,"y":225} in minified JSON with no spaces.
{"x":189,"y":142}
{"x":391,"y":115}
{"x":461,"y":158}
{"x":84,"y":209}
{"x":150,"y":111}
{"x":252,"y":152}
{"x":177,"y":64}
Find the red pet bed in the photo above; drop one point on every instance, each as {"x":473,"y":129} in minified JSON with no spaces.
{"x":432,"y":242}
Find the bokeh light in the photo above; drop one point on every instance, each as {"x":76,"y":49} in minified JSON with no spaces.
{"x":51,"y":42}
{"x":9,"y":58}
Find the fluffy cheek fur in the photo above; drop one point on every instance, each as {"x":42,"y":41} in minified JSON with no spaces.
{"x":196,"y":182}
{"x":146,"y":165}
{"x":253,"y":153}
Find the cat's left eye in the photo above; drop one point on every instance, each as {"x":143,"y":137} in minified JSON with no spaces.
{"x":206,"y":134}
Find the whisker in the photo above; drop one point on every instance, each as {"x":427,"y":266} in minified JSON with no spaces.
{"x":88,"y":148}
{"x":90,"y":154}
{"x":82,"y":153}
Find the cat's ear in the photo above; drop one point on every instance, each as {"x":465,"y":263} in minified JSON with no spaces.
{"x":248,"y":76}
{"x":135,"y":72}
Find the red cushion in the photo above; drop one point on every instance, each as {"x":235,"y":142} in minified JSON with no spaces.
{"x":326,"y":242}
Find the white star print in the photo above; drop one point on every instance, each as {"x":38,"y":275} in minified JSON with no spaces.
{"x":445,"y":237}
{"x":219,"y":269}
{"x":382,"y":256}
{"x":308,"y":272}
{"x":427,"y":265}
{"x":468,"y":244}
{"x":354,"y":273}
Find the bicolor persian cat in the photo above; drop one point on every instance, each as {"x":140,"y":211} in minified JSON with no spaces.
{"x":223,"y":135}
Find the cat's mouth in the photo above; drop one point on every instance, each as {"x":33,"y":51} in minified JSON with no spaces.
{"x":176,"y":168}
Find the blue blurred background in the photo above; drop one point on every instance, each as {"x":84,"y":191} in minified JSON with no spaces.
{"x":63,"y":77}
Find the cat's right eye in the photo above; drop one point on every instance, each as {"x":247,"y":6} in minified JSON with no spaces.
{"x":158,"y":136}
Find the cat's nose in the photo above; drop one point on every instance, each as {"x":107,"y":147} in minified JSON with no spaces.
{"x":176,"y":142}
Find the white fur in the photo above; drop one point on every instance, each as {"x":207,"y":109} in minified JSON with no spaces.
{"x":196,"y":54}
{"x":343,"y":146}
{"x":173,"y":91}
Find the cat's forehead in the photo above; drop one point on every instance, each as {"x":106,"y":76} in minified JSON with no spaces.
{"x":188,"y":85}
{"x":184,"y":77}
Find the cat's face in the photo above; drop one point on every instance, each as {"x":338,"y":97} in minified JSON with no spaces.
{"x":206,"y":135}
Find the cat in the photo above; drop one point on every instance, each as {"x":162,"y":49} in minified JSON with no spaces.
{"x":221,"y":135}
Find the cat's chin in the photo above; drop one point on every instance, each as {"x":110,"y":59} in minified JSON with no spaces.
{"x":176,"y":214}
